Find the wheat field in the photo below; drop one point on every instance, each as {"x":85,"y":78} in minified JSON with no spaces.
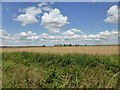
{"x":100,"y":50}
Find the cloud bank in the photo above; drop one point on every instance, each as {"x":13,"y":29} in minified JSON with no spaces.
{"x":30,"y":38}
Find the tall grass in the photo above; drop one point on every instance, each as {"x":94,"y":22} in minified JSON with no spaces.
{"x":35,"y":70}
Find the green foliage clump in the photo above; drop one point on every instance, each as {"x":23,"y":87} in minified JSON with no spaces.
{"x":35,"y":70}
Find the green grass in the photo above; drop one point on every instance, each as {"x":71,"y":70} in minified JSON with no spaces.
{"x":35,"y":70}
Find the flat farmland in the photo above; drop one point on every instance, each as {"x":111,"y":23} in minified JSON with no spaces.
{"x":100,"y":50}
{"x":60,"y":67}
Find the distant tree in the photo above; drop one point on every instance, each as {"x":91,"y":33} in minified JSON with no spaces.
{"x":67,"y":45}
{"x":55,"y":45}
{"x":60,"y":44}
{"x":85,"y":44}
{"x":70,"y":44}
{"x":64,"y":45}
{"x":43,"y":45}
{"x":75,"y":44}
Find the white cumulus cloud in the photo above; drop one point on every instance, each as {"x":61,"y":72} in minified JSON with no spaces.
{"x":4,"y":34}
{"x":26,"y":35}
{"x":29,"y":33}
{"x":72,"y":32}
{"x":113,"y":15}
{"x":105,"y":33}
{"x":29,"y":15}
{"x":47,"y":8}
{"x":42,"y":4}
{"x":54,"y":20}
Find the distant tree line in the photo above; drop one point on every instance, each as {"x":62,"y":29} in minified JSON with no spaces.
{"x":69,"y":45}
{"x":61,"y":45}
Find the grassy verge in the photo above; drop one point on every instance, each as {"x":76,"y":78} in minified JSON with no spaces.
{"x":34,"y":70}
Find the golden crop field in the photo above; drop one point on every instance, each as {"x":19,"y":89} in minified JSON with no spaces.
{"x":100,"y":50}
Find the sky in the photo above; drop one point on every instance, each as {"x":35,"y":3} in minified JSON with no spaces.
{"x":50,"y":23}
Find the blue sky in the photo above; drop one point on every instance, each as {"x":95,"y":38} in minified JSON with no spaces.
{"x":86,"y":22}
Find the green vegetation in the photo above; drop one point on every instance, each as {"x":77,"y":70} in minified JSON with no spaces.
{"x":33,"y":70}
